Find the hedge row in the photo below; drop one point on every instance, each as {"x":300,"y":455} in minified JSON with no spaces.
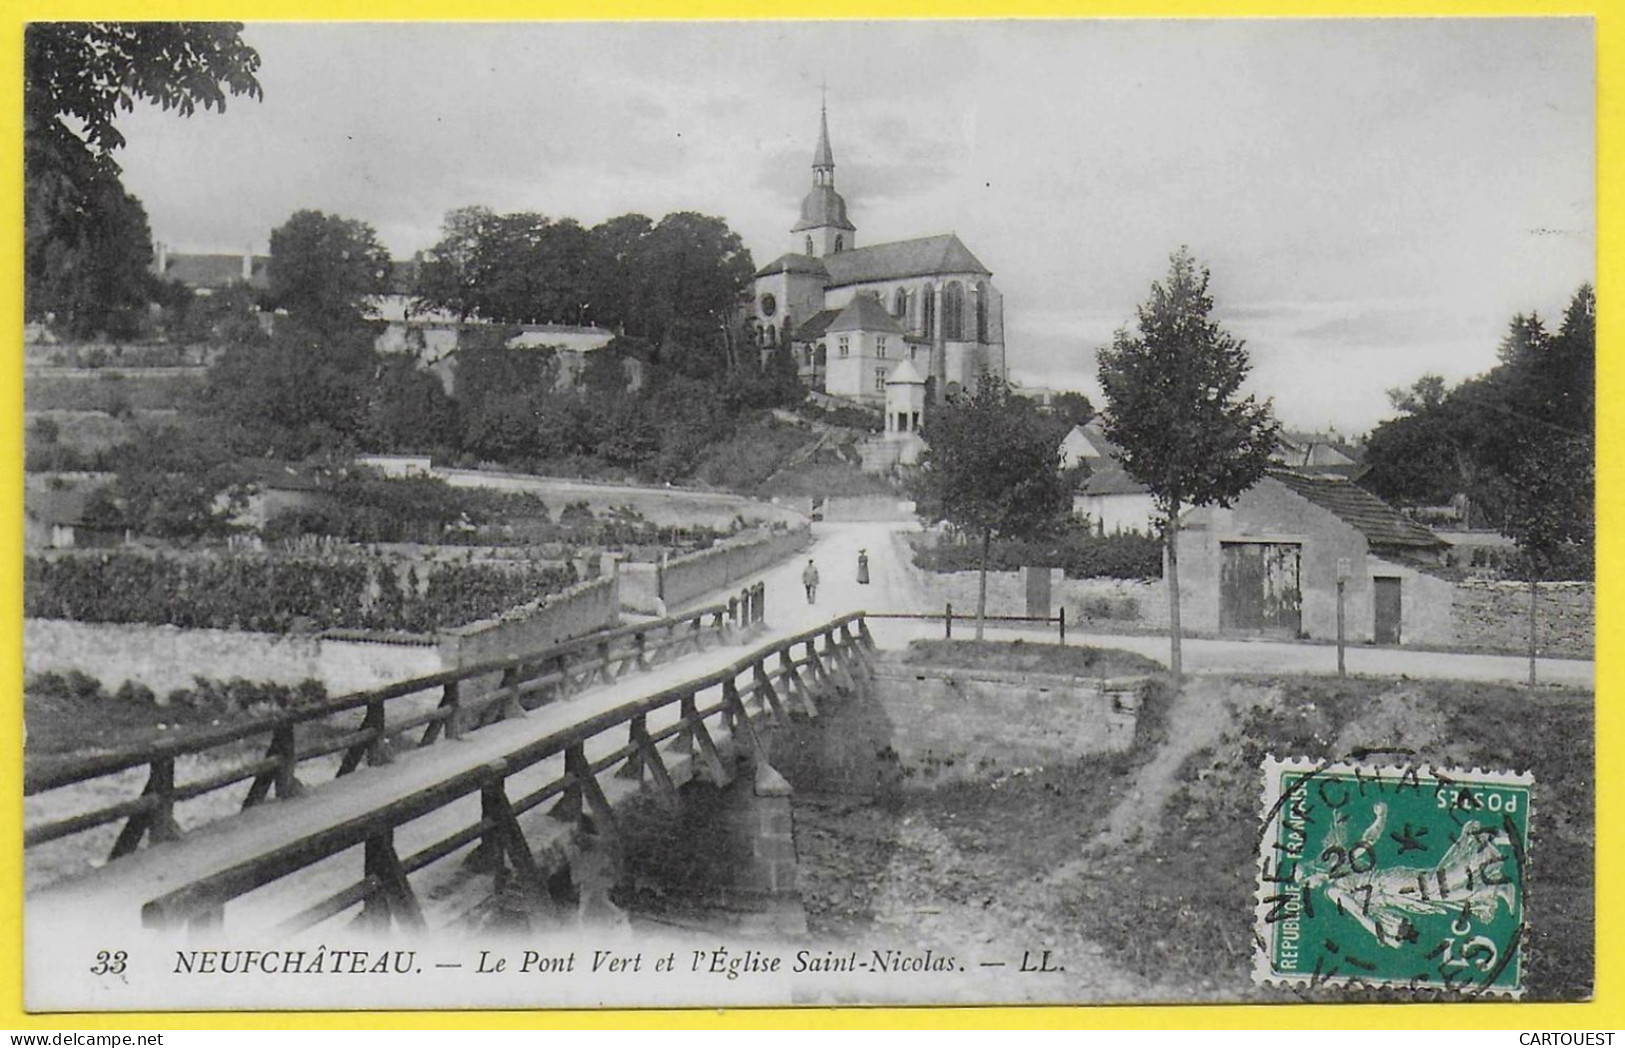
{"x":206,"y":695}
{"x":1080,"y":556}
{"x":279,"y":594}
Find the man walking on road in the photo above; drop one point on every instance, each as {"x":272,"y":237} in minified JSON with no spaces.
{"x":809,"y":579}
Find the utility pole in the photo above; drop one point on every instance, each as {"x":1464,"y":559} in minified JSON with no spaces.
{"x":1342,"y":581}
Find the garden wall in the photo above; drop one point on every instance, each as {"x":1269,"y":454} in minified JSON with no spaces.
{"x":1494,"y":616}
{"x":165,"y":658}
{"x":1117,"y":602}
{"x":168,"y":657}
{"x":706,"y":573}
{"x":1482,"y":615}
{"x":663,"y":506}
{"x":583,"y":608}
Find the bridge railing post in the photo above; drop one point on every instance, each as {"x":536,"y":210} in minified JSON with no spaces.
{"x":1062,"y":620}
{"x":283,"y":746}
{"x":948,"y":622}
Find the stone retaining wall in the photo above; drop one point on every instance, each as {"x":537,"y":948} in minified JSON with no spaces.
{"x":1494,"y":616}
{"x":165,"y":658}
{"x":1113,"y":603}
{"x":581,"y":609}
{"x":654,"y":589}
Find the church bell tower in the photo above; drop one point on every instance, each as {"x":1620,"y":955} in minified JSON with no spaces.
{"x":824,"y":228}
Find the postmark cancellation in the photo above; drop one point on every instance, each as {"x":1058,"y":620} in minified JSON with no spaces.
{"x":1392,"y":876}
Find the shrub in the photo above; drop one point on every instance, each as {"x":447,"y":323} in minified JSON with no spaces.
{"x":276,"y":594}
{"x":1082,"y":555}
{"x":1117,"y":609}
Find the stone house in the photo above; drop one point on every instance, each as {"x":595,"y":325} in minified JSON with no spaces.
{"x":1110,"y":499}
{"x":1269,"y":565}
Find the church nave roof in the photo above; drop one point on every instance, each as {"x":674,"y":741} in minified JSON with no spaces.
{"x":943,"y":253}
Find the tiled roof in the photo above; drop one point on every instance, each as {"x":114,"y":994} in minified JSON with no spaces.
{"x":814,"y":327}
{"x":794,"y":263}
{"x":905,"y":372}
{"x":944,"y":253}
{"x":1380,"y":523}
{"x":1091,"y":432}
{"x":213,"y":271}
{"x":865,"y":313}
{"x":1112,"y":479}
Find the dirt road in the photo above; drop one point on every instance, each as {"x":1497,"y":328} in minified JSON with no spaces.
{"x":895,"y":587}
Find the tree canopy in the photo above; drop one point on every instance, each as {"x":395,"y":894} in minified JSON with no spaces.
{"x":674,"y":284}
{"x":1174,"y":406}
{"x":1472,"y":438}
{"x":325,"y":268}
{"x":87,"y":248}
{"x":992,"y":468}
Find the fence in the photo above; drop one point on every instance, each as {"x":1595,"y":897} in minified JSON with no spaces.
{"x":526,"y":681}
{"x":773,"y":682}
{"x":948,"y":618}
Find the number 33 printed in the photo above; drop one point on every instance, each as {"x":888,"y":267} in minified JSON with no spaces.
{"x":110,"y":963}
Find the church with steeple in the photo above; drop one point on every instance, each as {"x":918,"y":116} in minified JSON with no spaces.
{"x":853,"y":315}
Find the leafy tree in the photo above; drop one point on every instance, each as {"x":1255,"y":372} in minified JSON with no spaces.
{"x":1470,"y":439}
{"x":695,"y":268}
{"x":450,"y":278}
{"x":324,"y":268}
{"x":1175,"y":409}
{"x":174,"y":482}
{"x":992,"y":469}
{"x":305,"y":390}
{"x":618,"y":274}
{"x":1548,"y":501}
{"x":1425,"y":394}
{"x":1073,"y":409}
{"x":229,"y":316}
{"x":83,"y":73}
{"x":87,"y":247}
{"x":91,"y":267}
{"x":408,"y":410}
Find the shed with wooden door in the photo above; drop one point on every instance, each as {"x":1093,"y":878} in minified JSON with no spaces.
{"x":1268,"y":565}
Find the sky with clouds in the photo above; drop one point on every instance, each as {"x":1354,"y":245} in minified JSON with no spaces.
{"x":1375,"y":199}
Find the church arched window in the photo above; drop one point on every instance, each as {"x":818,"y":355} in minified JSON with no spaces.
{"x":953,"y":311}
{"x":840,"y":242}
{"x":900,"y":304}
{"x":809,"y":245}
{"x":928,"y":312}
{"x":981,"y":311}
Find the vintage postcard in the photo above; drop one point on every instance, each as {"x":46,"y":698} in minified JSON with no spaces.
{"x":704,"y":514}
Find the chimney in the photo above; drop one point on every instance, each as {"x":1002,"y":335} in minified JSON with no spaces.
{"x":161,"y":262}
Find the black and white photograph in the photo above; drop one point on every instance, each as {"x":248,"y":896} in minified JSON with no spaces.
{"x":546,"y":515}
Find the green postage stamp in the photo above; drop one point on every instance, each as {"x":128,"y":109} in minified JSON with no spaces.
{"x":1392,"y":876}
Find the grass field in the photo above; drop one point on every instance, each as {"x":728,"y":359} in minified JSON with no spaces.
{"x":1141,"y":867}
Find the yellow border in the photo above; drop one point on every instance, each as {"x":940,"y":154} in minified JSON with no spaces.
{"x":1607,"y":1010}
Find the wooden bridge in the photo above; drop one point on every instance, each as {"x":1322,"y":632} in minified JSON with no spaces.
{"x":472,"y":755}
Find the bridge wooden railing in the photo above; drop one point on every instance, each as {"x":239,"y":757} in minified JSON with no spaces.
{"x":682,"y":722}
{"x":948,"y":618}
{"x":304,"y":733}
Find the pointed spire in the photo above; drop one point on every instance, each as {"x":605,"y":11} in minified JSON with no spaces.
{"x":823,"y":158}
